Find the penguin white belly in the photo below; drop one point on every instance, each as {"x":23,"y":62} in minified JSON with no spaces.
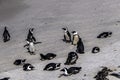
{"x":32,"y":47}
{"x":76,"y":39}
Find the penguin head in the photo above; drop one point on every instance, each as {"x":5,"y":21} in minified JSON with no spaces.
{"x":64,"y":28}
{"x":74,"y":32}
{"x":58,"y":65}
{"x":109,"y":34}
{"x":31,"y":30}
{"x":63,"y":69}
{"x":23,"y":60}
{"x":5,"y":27}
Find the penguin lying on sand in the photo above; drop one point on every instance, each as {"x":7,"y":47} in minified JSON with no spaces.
{"x":19,"y":61}
{"x":72,"y":58}
{"x":6,"y":35}
{"x":5,"y":78}
{"x":48,"y":56}
{"x":80,"y":47}
{"x":67,"y":35}
{"x":52,"y":66}
{"x":70,"y":71}
{"x":102,"y":75}
{"x":95,"y":50}
{"x":105,"y":35}
{"x":115,"y":75}
{"x":28,"y":67}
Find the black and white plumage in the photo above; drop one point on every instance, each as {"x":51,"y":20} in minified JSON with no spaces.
{"x":67,"y":35}
{"x":19,"y":61}
{"x":95,"y":50}
{"x":75,"y":38}
{"x":6,"y":35}
{"x":30,"y":36}
{"x":70,"y":71}
{"x":30,"y":47}
{"x":5,"y":78}
{"x":102,"y":75}
{"x":48,"y":56}
{"x":117,"y":75}
{"x":105,"y":34}
{"x":52,"y":66}
{"x":28,"y":67}
{"x":71,"y":59}
{"x":80,"y":47}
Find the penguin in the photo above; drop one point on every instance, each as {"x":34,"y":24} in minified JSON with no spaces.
{"x":75,"y":38}
{"x":5,"y":78}
{"x":52,"y":66}
{"x":28,"y":67}
{"x":67,"y":35}
{"x":80,"y":47}
{"x":117,"y":75}
{"x":102,"y":75}
{"x":70,"y":71}
{"x":71,"y":59}
{"x":95,"y":50}
{"x":105,"y":35}
{"x":48,"y":56}
{"x":30,"y":37}
{"x":30,"y":47}
{"x":6,"y":35}
{"x":19,"y":61}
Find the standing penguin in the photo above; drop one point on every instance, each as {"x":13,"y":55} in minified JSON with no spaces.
{"x":80,"y":47}
{"x":30,"y":47}
{"x":30,"y":37}
{"x":6,"y":35}
{"x":67,"y":35}
{"x":75,"y":38}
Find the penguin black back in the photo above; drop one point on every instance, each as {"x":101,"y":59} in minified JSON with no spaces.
{"x":52,"y":66}
{"x":48,"y":56}
{"x":80,"y":47}
{"x":19,"y":61}
{"x":6,"y":35}
{"x":30,"y":36}
{"x":5,"y":78}
{"x":105,"y":34}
